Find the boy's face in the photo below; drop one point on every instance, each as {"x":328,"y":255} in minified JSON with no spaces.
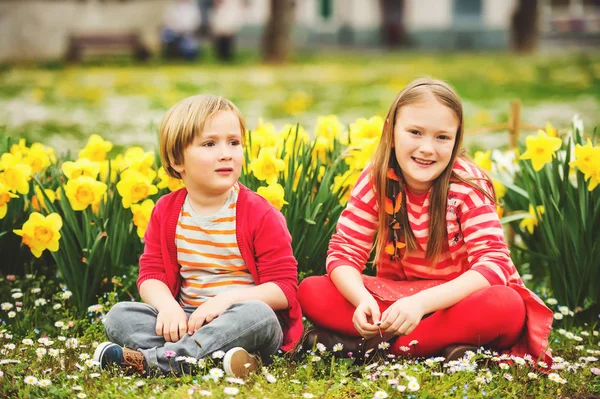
{"x":212,"y":163}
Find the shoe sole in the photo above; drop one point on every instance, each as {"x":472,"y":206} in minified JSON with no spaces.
{"x":99,"y":352}
{"x":240,"y":358}
{"x":459,"y":352}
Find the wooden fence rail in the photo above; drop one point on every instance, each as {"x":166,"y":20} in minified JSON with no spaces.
{"x":514,"y":125}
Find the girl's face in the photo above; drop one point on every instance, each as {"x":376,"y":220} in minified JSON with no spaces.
{"x":424,"y":137}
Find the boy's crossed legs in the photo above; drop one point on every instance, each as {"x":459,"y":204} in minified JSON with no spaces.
{"x":251,"y":325}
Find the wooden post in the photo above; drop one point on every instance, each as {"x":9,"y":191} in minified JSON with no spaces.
{"x":514,"y":123}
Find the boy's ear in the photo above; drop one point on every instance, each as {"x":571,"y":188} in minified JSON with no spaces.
{"x":177,"y":168}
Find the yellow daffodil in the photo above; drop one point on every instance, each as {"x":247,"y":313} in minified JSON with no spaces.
{"x":20,"y":149}
{"x":84,"y":191}
{"x":297,"y":174}
{"x":41,"y":232}
{"x":96,"y":149}
{"x":141,"y":215}
{"x":169,"y":182}
{"x":532,"y":220}
{"x":361,"y":153}
{"x":81,"y":167}
{"x":134,"y":187}
{"x":366,"y":128}
{"x":348,"y":179}
{"x":264,"y":135}
{"x":550,"y":130}
{"x":289,"y":138}
{"x":594,"y":175}
{"x":267,"y":166}
{"x":5,"y":197}
{"x":540,"y":149}
{"x":16,"y":174}
{"x":274,"y":193}
{"x":499,"y":188}
{"x":499,"y":211}
{"x":585,"y":155}
{"x":483,"y":159}
{"x":116,"y":166}
{"x":38,"y":157}
{"x":322,"y":147}
{"x":328,"y":126}
{"x":298,"y":103}
{"x":138,"y":159}
{"x":38,"y":201}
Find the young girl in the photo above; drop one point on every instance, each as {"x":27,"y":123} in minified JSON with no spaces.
{"x":217,"y":272}
{"x":444,"y":274}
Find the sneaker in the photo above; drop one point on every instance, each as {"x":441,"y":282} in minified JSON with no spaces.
{"x":109,"y":353}
{"x":457,"y":351}
{"x":239,"y":363}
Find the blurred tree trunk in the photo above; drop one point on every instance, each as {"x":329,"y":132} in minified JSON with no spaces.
{"x":525,"y":31}
{"x":277,"y":40}
{"x":392,"y":27}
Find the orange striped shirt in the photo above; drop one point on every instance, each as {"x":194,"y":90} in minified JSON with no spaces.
{"x":208,"y":253}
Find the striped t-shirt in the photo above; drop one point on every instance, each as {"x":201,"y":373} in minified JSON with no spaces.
{"x":208,"y":253}
{"x":475,"y":235}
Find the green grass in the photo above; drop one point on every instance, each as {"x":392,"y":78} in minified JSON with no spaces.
{"x":33,"y":344}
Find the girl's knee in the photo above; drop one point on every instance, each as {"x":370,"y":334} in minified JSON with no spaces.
{"x":505,"y":303}
{"x":310,"y":288}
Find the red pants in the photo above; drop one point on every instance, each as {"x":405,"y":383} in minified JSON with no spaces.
{"x":493,"y":317}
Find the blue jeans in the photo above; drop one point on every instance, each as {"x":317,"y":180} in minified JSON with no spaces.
{"x":251,"y":325}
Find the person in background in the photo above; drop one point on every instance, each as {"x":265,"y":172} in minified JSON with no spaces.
{"x":181,"y":23}
{"x":226,"y":21}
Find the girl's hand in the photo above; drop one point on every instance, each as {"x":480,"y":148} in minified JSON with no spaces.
{"x":171,"y":323}
{"x":366,"y":315}
{"x":403,"y":316}
{"x":207,"y":312}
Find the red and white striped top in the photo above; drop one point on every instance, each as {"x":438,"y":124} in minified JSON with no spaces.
{"x":208,"y":253}
{"x":475,"y":235}
{"x":475,"y":242}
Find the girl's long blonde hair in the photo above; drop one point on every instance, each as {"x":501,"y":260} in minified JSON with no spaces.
{"x":385,"y":159}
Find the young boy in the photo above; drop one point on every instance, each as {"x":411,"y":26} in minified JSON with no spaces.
{"x":217,"y":272}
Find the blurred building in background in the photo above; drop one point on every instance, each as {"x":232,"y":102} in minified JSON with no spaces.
{"x":51,"y":29}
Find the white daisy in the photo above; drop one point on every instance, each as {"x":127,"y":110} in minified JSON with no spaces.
{"x":413,"y":385}
{"x":30,"y":380}
{"x":230,"y":390}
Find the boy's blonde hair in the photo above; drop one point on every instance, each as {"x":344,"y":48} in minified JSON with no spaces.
{"x":185,"y":121}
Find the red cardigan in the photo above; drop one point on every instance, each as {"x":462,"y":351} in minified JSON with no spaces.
{"x":263,"y":239}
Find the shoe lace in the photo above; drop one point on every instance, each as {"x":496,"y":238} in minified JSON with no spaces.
{"x":133,"y":359}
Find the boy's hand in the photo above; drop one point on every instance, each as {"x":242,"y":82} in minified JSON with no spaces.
{"x":171,"y":323}
{"x":207,"y":312}
{"x":403,"y":316}
{"x":366,"y":316}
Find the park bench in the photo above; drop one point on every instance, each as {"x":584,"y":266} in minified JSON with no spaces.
{"x":106,"y":43}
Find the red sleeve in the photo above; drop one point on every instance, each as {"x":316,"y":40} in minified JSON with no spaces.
{"x":487,"y":251}
{"x":275,"y":260}
{"x":353,"y":240}
{"x":152,"y":266}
